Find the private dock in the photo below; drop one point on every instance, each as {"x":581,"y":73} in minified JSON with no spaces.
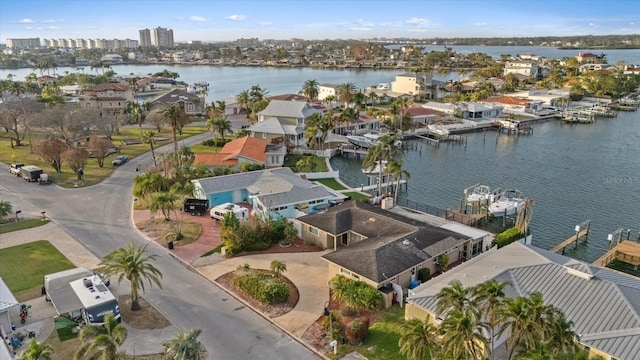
{"x":582,"y":230}
{"x":436,"y":139}
{"x":515,"y":127}
{"x":626,"y":251}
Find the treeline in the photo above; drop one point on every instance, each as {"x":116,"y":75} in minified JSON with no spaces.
{"x":585,"y":41}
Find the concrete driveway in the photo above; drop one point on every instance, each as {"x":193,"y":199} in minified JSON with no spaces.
{"x":308,"y":271}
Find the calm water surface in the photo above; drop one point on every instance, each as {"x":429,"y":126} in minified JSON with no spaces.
{"x":573,"y":173}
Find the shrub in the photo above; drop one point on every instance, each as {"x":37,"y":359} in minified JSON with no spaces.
{"x":507,"y":237}
{"x":357,"y":330}
{"x":424,"y":274}
{"x":262,"y":287}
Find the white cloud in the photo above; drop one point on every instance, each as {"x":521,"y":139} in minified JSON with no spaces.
{"x":236,"y":17}
{"x":198,"y":18}
{"x":480,"y":24}
{"x":592,"y":24}
{"x":361,"y":28}
{"x":47,"y":28}
{"x":415,"y":20}
{"x":25,"y":21}
{"x":265,"y":23}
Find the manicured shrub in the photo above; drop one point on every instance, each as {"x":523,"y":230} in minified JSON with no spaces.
{"x":262,"y":287}
{"x":507,"y":237}
{"x":424,"y":274}
{"x":357,"y":330}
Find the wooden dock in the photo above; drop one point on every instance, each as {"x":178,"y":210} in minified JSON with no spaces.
{"x":626,"y":251}
{"x":353,"y":150}
{"x":583,"y":231}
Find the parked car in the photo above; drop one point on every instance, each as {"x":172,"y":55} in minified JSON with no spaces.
{"x":15,"y":168}
{"x":120,"y":160}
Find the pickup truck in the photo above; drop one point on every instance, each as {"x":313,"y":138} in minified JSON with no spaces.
{"x":15,"y":168}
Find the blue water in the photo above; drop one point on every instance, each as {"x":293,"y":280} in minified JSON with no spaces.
{"x":574,"y":173}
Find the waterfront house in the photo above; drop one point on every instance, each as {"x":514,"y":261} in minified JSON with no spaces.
{"x":193,"y":104}
{"x":515,"y":105}
{"x":109,"y":97}
{"x":602,"y":304}
{"x":382,"y":247}
{"x":325,"y":90}
{"x":283,"y":119}
{"x":528,"y":68}
{"x":423,"y":116}
{"x":549,"y":97}
{"x":584,"y":57}
{"x":244,"y":150}
{"x":273,"y":193}
{"x":415,"y":84}
{"x":361,"y":125}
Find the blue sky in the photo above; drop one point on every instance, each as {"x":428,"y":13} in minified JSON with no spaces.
{"x":229,"y":20}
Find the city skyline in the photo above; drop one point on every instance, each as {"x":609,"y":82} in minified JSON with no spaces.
{"x":230,"y":20}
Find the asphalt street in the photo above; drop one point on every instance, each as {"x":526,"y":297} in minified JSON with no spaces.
{"x":99,"y":217}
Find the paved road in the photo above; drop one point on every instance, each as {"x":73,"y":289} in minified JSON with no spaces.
{"x":99,"y":217}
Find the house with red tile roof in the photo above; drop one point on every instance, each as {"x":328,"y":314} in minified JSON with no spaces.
{"x":111,"y":97}
{"x":423,"y":116}
{"x":244,"y":150}
{"x":586,"y":57}
{"x":515,"y":105}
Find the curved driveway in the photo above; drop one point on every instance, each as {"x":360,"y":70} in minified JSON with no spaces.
{"x":99,"y":217}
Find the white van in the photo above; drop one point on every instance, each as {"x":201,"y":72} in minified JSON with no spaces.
{"x":219,"y":211}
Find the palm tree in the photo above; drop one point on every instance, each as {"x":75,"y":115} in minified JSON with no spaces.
{"x":278,"y":267}
{"x":102,"y":342}
{"x":148,"y":138}
{"x":488,"y":297}
{"x":243,"y":100}
{"x":344,"y":93}
{"x":417,"y":339}
{"x":185,"y":346}
{"x":163,"y":202}
{"x":339,"y":288}
{"x":222,"y":126}
{"x":523,"y":321}
{"x":310,"y":89}
{"x":394,"y":168}
{"x":5,"y":209}
{"x":523,"y":218}
{"x":463,"y":335}
{"x":222,"y":108}
{"x":176,"y":117}
{"x":37,"y":351}
{"x":454,"y":297}
{"x":131,"y":263}
{"x":311,"y":128}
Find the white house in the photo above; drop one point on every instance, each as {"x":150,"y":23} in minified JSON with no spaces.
{"x":527,"y":68}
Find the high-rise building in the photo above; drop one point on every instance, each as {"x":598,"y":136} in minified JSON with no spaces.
{"x":145,"y":38}
{"x":27,"y":43}
{"x":163,"y":37}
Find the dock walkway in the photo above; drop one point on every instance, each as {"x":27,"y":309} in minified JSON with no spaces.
{"x":572,"y":239}
{"x":626,"y":251}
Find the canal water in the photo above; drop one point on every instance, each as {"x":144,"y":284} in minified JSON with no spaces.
{"x":573,"y":172}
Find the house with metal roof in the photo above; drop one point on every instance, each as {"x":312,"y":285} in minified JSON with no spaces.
{"x":283,"y":119}
{"x":193,"y":104}
{"x":383,"y":247}
{"x":277,"y":192}
{"x":603,"y":304}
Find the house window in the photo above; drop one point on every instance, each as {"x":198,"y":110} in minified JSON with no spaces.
{"x":264,"y":135}
{"x":313,"y":231}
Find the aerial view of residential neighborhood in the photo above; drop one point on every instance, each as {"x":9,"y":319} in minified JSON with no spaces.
{"x":296,"y":179}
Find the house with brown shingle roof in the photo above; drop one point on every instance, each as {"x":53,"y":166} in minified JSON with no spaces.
{"x":193,"y":104}
{"x":382,"y":247}
{"x":423,"y":116}
{"x":244,"y":150}
{"x":111,"y":97}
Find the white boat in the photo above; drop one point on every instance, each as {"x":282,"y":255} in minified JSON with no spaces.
{"x":383,"y":86}
{"x":368,"y":140}
{"x":508,"y":203}
{"x":478,"y":193}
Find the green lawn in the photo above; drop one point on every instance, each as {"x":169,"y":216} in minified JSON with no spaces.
{"x":21,"y":225}
{"x":93,"y":174}
{"x":330,"y":183}
{"x":382,"y":341}
{"x":23,"y":267}
{"x":319,"y":163}
{"x":356,"y":196}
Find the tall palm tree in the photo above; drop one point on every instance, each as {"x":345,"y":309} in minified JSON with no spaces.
{"x":185,"y":346}
{"x":37,"y":351}
{"x":176,"y":117}
{"x":102,"y":342}
{"x":222,"y":126}
{"x":131,"y":263}
{"x":310,"y":89}
{"x":311,"y":129}
{"x":521,"y":319}
{"x":344,"y":93}
{"x":222,"y":107}
{"x":463,"y":335}
{"x":394,"y":168}
{"x":243,"y":100}
{"x":148,"y":138}
{"x":488,"y":297}
{"x":418,"y":339}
